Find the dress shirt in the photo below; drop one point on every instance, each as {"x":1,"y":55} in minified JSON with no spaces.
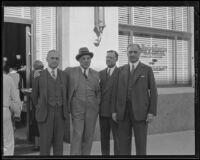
{"x":86,"y":72}
{"x":111,"y":70}
{"x":135,"y":65}
{"x":50,"y":71}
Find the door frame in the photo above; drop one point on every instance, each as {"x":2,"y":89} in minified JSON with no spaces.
{"x":30,"y":23}
{"x":30,"y":54}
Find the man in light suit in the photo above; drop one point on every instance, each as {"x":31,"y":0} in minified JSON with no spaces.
{"x":136,"y":102}
{"x":50,"y":100}
{"x":84,"y":97}
{"x":108,"y":76}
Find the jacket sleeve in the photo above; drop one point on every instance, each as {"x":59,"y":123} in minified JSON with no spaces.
{"x":67,"y":73}
{"x":153,"y":92}
{"x":35,"y":91}
{"x":98,"y":91}
{"x":114,"y":93}
{"x":16,"y":104}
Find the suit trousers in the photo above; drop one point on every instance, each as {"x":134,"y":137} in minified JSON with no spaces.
{"x":52,"y":131}
{"x":83,"y":132}
{"x":8,"y":134}
{"x":106,"y":125}
{"x":125,"y":133}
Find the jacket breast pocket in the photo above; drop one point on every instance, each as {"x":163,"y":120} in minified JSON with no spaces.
{"x":142,"y":80}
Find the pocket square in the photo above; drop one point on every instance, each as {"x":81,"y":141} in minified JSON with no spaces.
{"x":142,"y":76}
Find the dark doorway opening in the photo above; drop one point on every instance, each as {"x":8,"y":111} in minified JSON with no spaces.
{"x":14,"y":53}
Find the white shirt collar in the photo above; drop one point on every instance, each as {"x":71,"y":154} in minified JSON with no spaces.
{"x":135,"y":64}
{"x":87,"y":70}
{"x":111,"y":70}
{"x":13,"y":71}
{"x":50,"y":69}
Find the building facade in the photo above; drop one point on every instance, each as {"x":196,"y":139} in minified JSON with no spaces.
{"x":165,"y":34}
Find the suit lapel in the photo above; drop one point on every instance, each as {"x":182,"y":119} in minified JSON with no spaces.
{"x":44,"y":82}
{"x":109,"y":81}
{"x":62,"y":80}
{"x":137,"y":73}
{"x":124,"y":74}
{"x":76,"y":79}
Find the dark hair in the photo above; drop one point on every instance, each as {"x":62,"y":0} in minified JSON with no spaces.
{"x":115,"y":52}
{"x":38,"y":65}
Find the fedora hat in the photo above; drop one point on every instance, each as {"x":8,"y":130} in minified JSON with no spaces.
{"x":84,"y":51}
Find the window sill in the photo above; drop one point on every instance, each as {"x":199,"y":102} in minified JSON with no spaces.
{"x":175,"y":90}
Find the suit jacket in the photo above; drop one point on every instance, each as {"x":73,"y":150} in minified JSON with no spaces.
{"x":108,"y":95}
{"x":39,"y":95}
{"x":143,"y":92}
{"x":73,"y":76}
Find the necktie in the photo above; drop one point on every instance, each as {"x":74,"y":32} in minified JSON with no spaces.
{"x":53,"y":74}
{"x":133,"y":68}
{"x":84,"y":73}
{"x":108,"y":73}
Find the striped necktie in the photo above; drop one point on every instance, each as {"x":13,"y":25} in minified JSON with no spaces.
{"x":53,"y":74}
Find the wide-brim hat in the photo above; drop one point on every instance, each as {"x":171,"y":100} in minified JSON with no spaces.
{"x":84,"y":51}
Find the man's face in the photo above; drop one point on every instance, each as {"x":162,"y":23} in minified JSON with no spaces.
{"x":133,"y":53}
{"x":111,"y":59}
{"x":53,"y":59}
{"x":85,"y":61}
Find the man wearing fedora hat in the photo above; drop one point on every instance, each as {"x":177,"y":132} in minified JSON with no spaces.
{"x":84,"y":98}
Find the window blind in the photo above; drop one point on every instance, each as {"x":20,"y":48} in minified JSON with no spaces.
{"x":182,"y":62}
{"x":141,"y":16}
{"x":181,"y":19}
{"x":18,"y":12}
{"x":123,"y":16}
{"x":167,"y":67}
{"x":123,"y":43}
{"x":45,"y":31}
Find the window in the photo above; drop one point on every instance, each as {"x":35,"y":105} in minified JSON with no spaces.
{"x":45,"y":27}
{"x":45,"y":31}
{"x":167,"y":55}
{"x":18,"y":12}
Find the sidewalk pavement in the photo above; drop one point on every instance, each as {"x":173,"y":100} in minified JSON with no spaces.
{"x":175,"y":143}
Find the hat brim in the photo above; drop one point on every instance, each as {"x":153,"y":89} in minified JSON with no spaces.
{"x":83,"y":54}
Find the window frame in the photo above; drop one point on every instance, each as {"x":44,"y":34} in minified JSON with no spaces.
{"x":130,"y":30}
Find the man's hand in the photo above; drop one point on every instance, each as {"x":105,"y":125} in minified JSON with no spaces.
{"x":36,"y":73}
{"x":150,"y":118}
{"x":114,"y":117}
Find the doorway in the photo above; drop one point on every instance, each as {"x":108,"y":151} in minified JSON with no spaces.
{"x":16,"y":53}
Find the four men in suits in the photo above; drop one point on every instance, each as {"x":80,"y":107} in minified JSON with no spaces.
{"x":128,"y":100}
{"x":136,"y":102}
{"x":49,"y":96}
{"x":84,"y":97}
{"x":108,"y":76}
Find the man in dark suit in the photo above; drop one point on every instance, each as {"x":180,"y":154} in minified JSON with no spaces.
{"x":108,"y":77}
{"x":84,"y":98}
{"x":136,"y":102}
{"x":50,"y":100}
